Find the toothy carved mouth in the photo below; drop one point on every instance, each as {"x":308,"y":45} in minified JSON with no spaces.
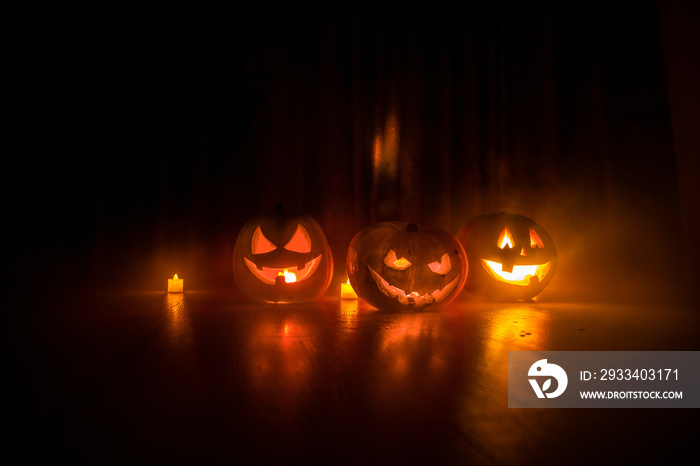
{"x":521,"y":275}
{"x":269,"y":275}
{"x":412,"y":298}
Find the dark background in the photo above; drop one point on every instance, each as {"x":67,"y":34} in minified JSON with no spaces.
{"x":149,"y":136}
{"x":144,"y":138}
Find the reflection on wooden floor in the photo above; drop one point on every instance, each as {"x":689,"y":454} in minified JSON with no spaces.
{"x":204,"y":377}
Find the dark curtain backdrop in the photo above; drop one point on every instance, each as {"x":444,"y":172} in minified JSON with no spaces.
{"x":160,"y":132}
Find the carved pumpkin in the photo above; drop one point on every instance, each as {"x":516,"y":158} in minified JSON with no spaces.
{"x":282,"y":257}
{"x":395,"y":265}
{"x":511,"y":256}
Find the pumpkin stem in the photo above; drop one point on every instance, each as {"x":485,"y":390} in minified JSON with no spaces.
{"x":279,"y":207}
{"x":412,"y":228}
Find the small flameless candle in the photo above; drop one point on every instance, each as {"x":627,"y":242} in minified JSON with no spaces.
{"x":175,"y":284}
{"x":346,"y":291}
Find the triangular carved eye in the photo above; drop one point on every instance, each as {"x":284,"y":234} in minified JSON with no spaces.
{"x":259,"y":244}
{"x":300,"y":241}
{"x":505,"y":239}
{"x":397,"y":264}
{"x":442,"y":266}
{"x":535,"y":240}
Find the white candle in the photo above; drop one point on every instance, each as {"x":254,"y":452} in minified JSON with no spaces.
{"x":346,"y":291}
{"x":175,"y":284}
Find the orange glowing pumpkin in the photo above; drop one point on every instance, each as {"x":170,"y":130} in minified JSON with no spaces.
{"x":282,"y":257}
{"x":396,"y":265}
{"x":511,"y":256}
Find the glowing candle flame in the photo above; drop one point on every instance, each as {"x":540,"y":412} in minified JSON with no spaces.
{"x":289,"y":277}
{"x":175,"y":285}
{"x":346,"y":291}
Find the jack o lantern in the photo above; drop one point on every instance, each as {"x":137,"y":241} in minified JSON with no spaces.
{"x":282,"y":257}
{"x":511,"y":256}
{"x":396,"y":265}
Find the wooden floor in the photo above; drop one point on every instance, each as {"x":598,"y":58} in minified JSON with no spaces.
{"x":204,"y":377}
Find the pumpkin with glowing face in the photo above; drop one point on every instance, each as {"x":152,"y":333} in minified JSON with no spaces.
{"x":396,"y":265}
{"x":511,"y":256}
{"x":282,"y":258}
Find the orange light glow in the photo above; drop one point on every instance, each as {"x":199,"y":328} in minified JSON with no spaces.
{"x":346,"y":291}
{"x":300,"y":241}
{"x":521,"y":274}
{"x":442,"y":266}
{"x":174,"y":301}
{"x":259,"y":244}
{"x":289,"y":277}
{"x":397,"y":264}
{"x":505,"y":239}
{"x":535,"y":240}
{"x":269,"y":274}
{"x":385,"y":153}
{"x":402,"y":263}
{"x":175,"y":285}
